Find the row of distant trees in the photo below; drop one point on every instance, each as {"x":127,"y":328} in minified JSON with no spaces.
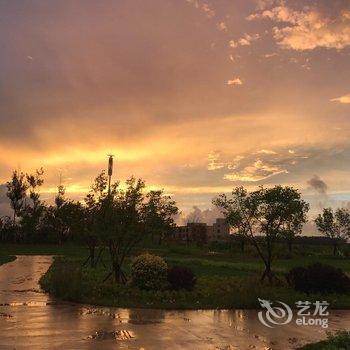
{"x":117,"y":218}
{"x":120,"y":217}
{"x":264,"y":216}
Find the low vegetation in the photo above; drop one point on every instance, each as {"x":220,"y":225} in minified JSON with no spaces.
{"x":319,"y":278}
{"x":220,"y":279}
{"x":337,"y":341}
{"x":149,"y":272}
{"x":181,"y":278}
{"x":6,"y":258}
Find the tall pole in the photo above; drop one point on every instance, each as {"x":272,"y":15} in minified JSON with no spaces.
{"x":110,"y":171}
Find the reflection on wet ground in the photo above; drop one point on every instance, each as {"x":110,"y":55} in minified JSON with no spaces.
{"x":30,"y":319}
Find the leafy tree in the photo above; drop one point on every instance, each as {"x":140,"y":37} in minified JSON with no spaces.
{"x":262,"y":216}
{"x":335,"y":226}
{"x":291,"y":230}
{"x":16,"y":192}
{"x":127,"y":216}
{"x":7,"y":229}
{"x":241,"y":240}
{"x":62,"y":219}
{"x":33,"y":210}
{"x":342,"y":216}
{"x":121,"y":224}
{"x":91,"y":216}
{"x":160,"y":212}
{"x":59,"y":199}
{"x":34,"y":182}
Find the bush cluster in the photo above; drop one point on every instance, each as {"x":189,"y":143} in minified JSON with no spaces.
{"x":63,"y":280}
{"x":181,"y":278}
{"x":319,"y":278}
{"x":149,"y":272}
{"x":340,"y":340}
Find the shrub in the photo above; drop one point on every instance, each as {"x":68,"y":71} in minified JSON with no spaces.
{"x":339,"y":340}
{"x":319,"y":278}
{"x":63,"y":280}
{"x":181,"y":278}
{"x":149,"y":272}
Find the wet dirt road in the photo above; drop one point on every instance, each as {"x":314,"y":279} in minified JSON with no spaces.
{"x":30,"y":319}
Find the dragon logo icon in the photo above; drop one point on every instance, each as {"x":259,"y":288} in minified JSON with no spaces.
{"x":274,"y":315}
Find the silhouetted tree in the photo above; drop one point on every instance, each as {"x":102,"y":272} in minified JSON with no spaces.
{"x":128,"y":216}
{"x":121,"y":223}
{"x":34,"y":182}
{"x":33,"y":210}
{"x":335,"y":226}
{"x":16,"y":192}
{"x":60,"y":199}
{"x":241,"y":239}
{"x":92,"y":215}
{"x":160,"y":212}
{"x":293,"y":228}
{"x":61,"y":220}
{"x":262,"y":216}
{"x":7,"y":229}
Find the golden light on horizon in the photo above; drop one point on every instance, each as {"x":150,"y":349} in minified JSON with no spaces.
{"x":166,"y":101}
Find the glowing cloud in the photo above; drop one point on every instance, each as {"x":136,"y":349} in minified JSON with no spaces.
{"x":162,"y":93}
{"x":222,"y":26}
{"x":342,"y":99}
{"x":256,"y":172}
{"x":309,"y":28}
{"x":244,"y":41}
{"x":234,"y":81}
{"x":266,"y":151}
{"x":213,"y":161}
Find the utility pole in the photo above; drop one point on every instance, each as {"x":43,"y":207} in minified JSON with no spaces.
{"x":110,"y":171}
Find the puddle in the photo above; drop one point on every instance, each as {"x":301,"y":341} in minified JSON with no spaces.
{"x":32,"y":290}
{"x":143,"y":322}
{"x":30,"y":319}
{"x":27,"y":303}
{"x":117,"y":335}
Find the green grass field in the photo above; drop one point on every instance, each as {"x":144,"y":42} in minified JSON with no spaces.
{"x":6,"y":258}
{"x":338,"y":341}
{"x":226,"y":278}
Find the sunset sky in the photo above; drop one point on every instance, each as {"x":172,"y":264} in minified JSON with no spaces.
{"x":194,"y":96}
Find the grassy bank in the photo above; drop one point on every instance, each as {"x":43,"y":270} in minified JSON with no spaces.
{"x":338,"y":341}
{"x":6,"y":258}
{"x":69,"y":249}
{"x":225,"y":279}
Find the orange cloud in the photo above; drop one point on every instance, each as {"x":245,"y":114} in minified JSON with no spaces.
{"x":342,"y":99}
{"x":235,"y":81}
{"x":309,"y":28}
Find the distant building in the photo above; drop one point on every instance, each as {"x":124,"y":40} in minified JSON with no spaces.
{"x":220,"y":231}
{"x":201,"y":232}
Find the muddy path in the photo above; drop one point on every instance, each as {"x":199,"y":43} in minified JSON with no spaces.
{"x":30,"y":319}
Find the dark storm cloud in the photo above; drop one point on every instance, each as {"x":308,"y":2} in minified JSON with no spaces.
{"x":318,"y":185}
